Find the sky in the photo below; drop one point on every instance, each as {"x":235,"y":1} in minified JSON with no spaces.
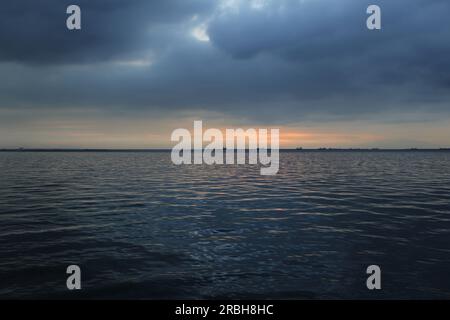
{"x":139,"y":69}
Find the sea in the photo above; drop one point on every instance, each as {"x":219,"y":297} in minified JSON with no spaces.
{"x":140,"y":227}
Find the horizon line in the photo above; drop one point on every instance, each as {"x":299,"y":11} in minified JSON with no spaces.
{"x":299,"y":149}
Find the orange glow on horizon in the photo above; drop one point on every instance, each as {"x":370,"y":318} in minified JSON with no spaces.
{"x":291,"y":138}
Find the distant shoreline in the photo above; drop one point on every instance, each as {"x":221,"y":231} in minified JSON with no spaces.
{"x":281,"y":150}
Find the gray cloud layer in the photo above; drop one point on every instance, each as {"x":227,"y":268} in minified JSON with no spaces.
{"x":283,"y":61}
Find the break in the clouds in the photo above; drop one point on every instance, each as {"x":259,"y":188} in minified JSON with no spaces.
{"x":271,"y":61}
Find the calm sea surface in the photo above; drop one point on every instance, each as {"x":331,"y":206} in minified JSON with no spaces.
{"x":141,"y":227}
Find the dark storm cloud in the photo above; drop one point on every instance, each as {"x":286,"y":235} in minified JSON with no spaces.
{"x":35,"y":31}
{"x":327,"y":41}
{"x":284,"y":60}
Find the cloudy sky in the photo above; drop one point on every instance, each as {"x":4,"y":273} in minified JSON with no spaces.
{"x":139,"y":69}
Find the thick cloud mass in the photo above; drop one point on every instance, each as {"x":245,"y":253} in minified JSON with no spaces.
{"x":272,"y":61}
{"x":35,"y":31}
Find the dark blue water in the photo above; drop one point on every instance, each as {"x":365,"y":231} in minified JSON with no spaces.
{"x":141,"y":227}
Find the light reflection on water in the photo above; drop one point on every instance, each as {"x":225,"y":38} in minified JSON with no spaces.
{"x":141,"y":227}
